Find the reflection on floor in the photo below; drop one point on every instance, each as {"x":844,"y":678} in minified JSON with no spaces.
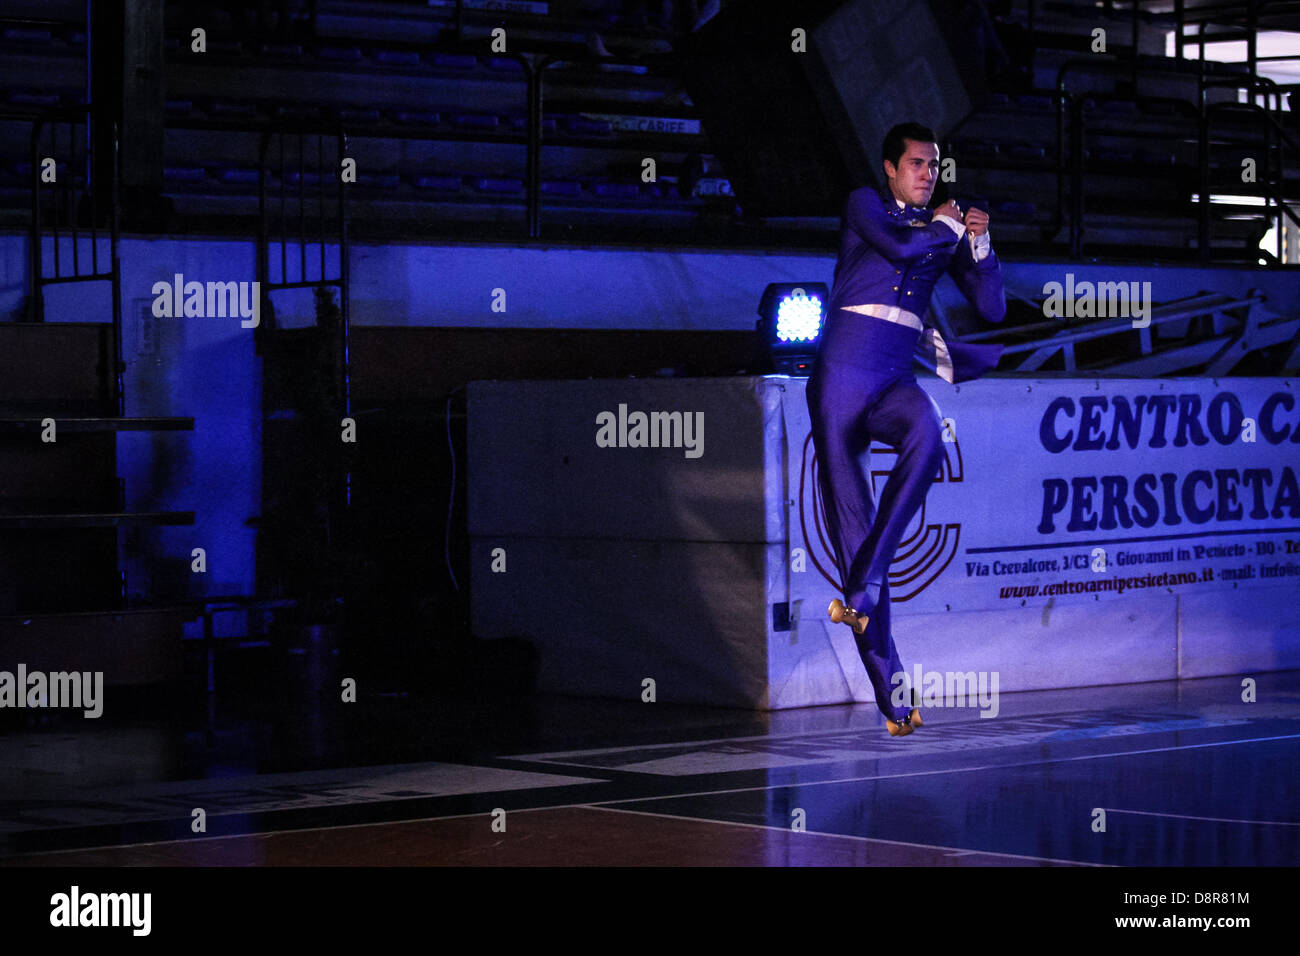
{"x":1170,"y":774}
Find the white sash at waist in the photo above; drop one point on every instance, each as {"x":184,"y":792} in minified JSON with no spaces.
{"x":931,"y":344}
{"x":890,"y":313}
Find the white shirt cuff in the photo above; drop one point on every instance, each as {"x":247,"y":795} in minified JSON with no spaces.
{"x":951,"y":223}
{"x":980,"y":246}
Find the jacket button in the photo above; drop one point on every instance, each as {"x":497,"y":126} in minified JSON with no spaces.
{"x":895,"y":288}
{"x":909,"y":291}
{"x":898,"y":272}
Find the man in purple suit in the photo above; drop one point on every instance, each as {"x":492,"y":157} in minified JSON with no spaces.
{"x":862,"y":388}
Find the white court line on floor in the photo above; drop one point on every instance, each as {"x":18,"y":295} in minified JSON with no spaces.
{"x":951,"y":851}
{"x":794,"y":735}
{"x":606,"y":804}
{"x":954,"y":851}
{"x":927,"y":773}
{"x":696,"y":758}
{"x":1184,"y":816}
{"x":165,"y":801}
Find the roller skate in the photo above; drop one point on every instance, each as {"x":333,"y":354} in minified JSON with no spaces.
{"x":897,"y":729}
{"x":841,"y":614}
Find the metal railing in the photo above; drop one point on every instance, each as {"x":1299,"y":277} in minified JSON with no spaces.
{"x":1275,"y":138}
{"x":283,"y":219}
{"x":1070,"y":166}
{"x":76,"y":207}
{"x":1076,"y":128}
{"x":1207,"y":334}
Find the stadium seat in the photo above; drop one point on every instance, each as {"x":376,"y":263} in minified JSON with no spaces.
{"x":442,"y":182}
{"x":498,"y":185}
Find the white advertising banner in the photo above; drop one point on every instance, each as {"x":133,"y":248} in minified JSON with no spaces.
{"x":1074,"y":491}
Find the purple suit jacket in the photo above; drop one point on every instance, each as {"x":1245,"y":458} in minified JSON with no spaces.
{"x":893,"y":257}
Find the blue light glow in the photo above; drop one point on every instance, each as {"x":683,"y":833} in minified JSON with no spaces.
{"x":798,"y":318}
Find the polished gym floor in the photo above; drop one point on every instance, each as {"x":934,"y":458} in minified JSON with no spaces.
{"x":1163,"y":774}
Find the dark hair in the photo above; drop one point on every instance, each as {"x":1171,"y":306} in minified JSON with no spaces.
{"x":894,"y":145}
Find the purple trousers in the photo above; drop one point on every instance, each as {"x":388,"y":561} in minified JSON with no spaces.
{"x":861,"y":389}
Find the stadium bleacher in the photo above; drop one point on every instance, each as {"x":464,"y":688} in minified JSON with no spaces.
{"x":389,"y":75}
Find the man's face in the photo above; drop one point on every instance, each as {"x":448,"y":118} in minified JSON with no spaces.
{"x":913,"y":179}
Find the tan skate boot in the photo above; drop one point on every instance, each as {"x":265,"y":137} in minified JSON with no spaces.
{"x":897,"y":729}
{"x":847,"y":615}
